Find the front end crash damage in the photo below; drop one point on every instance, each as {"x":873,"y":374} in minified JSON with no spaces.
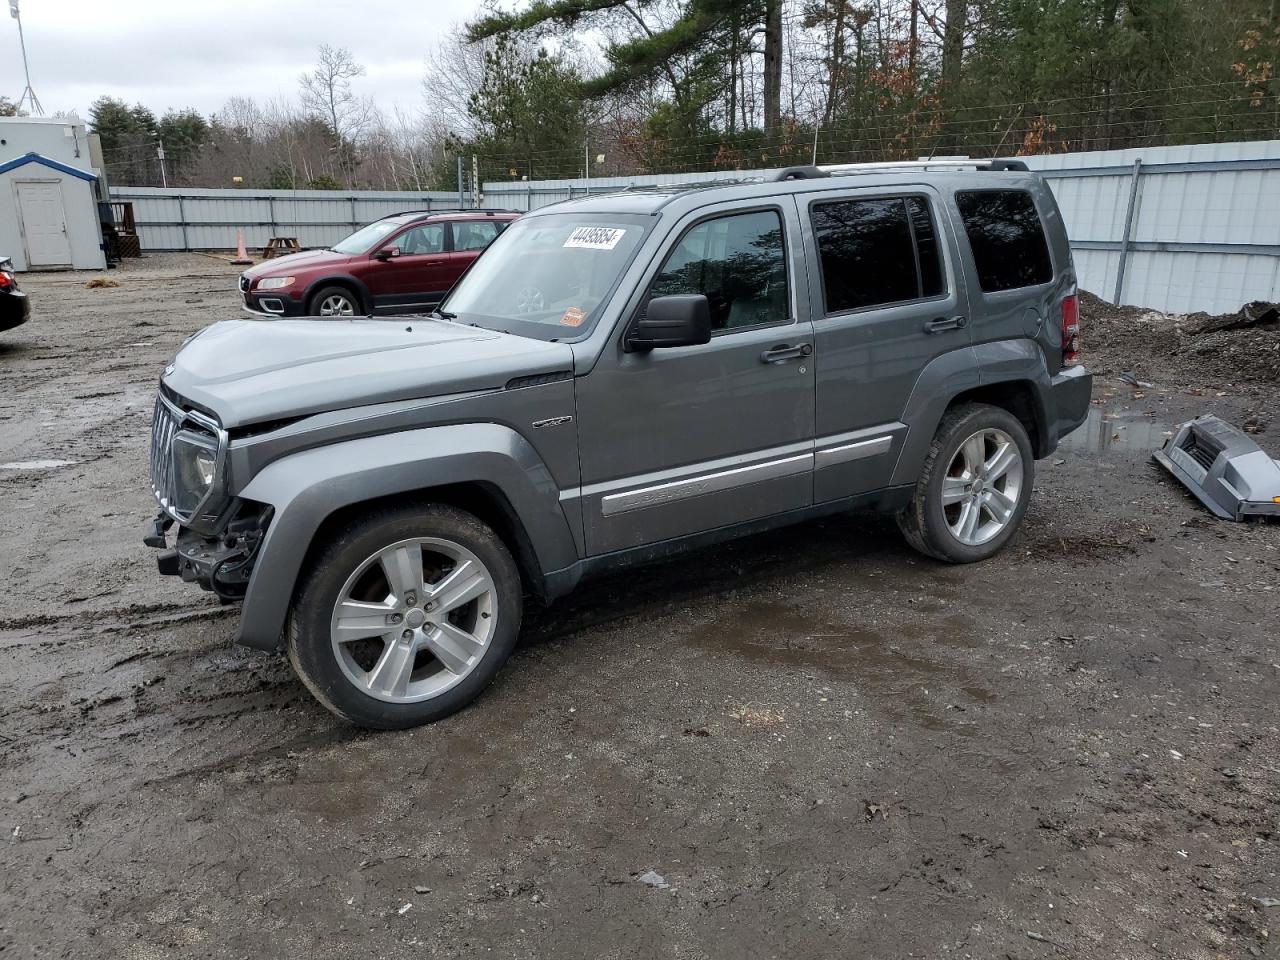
{"x":220,"y":564}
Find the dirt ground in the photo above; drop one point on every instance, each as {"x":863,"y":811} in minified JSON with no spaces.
{"x":812,"y":743}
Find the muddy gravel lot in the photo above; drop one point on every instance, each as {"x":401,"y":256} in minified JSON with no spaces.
{"x":812,"y":743}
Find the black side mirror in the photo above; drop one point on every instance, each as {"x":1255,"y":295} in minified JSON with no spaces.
{"x":387,"y":253}
{"x":682,"y":320}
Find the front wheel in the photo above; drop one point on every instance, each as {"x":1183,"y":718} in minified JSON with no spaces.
{"x":406,"y":616}
{"x":974,"y":486}
{"x":334,"y":302}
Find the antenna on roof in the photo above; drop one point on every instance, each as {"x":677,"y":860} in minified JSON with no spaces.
{"x":28,"y":94}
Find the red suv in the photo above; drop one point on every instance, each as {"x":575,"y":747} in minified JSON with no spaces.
{"x":398,"y":264}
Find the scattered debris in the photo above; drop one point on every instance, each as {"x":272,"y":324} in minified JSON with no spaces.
{"x":697,"y":732}
{"x":1131,"y":378}
{"x":751,"y":715}
{"x":405,"y":909}
{"x":654,"y":879}
{"x":1223,"y":469}
{"x":872,"y":810}
{"x":1267,"y":902}
{"x":100,"y":283}
{"x":421,"y":889}
{"x":36,"y":464}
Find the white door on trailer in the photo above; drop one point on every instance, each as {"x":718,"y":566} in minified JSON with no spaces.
{"x":44,"y":223}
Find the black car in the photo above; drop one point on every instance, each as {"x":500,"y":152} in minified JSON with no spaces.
{"x":14,"y":306}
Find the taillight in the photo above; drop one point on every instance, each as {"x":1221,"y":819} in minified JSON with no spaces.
{"x":1071,"y":329}
{"x":6,"y":281}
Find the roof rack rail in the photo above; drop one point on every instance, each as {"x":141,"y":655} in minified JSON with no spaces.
{"x":429,"y":213}
{"x":691,"y":184}
{"x":852,"y":169}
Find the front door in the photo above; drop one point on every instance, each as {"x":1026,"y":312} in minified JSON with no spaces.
{"x":44,"y":224}
{"x":419,"y":276}
{"x":688,"y":439}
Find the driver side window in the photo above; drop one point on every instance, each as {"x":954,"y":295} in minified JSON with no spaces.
{"x":738,"y":262}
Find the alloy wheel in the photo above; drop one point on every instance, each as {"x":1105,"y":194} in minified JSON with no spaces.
{"x":414,"y":620}
{"x":337,"y":306}
{"x":981,"y":489}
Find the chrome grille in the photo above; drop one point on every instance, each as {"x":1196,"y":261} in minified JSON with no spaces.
{"x":164,"y":424}
{"x":167,"y":420}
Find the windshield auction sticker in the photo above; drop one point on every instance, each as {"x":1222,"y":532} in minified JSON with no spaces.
{"x":594,"y":238}
{"x":573,"y":317}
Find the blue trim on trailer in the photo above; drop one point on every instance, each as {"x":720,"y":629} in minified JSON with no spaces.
{"x":46,"y":162}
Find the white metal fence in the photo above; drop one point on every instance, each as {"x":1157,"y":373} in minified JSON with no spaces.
{"x":200,"y":219}
{"x":1171,"y":228}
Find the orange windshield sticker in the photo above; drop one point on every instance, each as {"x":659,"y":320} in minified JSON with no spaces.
{"x":573,"y":317}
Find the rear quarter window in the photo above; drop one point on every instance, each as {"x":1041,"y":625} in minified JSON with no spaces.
{"x":1006,"y":237}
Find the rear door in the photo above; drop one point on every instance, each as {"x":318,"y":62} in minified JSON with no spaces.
{"x":468,"y":238}
{"x":888,"y":298}
{"x":44,"y":223}
{"x":683,"y":440}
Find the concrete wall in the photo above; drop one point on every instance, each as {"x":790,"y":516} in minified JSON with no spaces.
{"x":1204,"y":232}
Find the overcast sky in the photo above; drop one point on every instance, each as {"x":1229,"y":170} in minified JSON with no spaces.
{"x":197,"y":53}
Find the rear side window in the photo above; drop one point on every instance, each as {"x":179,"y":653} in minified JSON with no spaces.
{"x":1006,"y":237}
{"x":473,"y":234}
{"x":876,"y":252}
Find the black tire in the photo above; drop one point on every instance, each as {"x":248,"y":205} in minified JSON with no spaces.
{"x":326,"y":293}
{"x":924,"y":522}
{"x":308,"y":633}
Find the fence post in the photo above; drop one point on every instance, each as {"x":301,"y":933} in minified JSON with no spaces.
{"x":355,"y":224}
{"x":1128,"y":229}
{"x":462,"y":204}
{"x":182,"y":215}
{"x":271,"y":206}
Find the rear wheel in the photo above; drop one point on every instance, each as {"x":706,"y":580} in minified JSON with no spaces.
{"x":974,"y":487}
{"x":334,"y":302}
{"x":406,"y":616}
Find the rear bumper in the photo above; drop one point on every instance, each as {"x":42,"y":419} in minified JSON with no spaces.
{"x":15,"y":309}
{"x":1068,"y":403}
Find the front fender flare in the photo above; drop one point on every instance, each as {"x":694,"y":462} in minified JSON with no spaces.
{"x":306,"y":488}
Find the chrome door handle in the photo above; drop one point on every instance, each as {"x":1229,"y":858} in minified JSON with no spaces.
{"x":942,"y":324}
{"x":786,"y":351}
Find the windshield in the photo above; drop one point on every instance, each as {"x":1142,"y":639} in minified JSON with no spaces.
{"x":548,"y":276}
{"x":364,"y":238}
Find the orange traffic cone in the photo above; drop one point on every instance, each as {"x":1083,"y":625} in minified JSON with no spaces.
{"x":242,"y":255}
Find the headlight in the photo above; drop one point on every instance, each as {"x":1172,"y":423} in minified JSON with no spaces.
{"x":275,"y":283}
{"x":195,"y":467}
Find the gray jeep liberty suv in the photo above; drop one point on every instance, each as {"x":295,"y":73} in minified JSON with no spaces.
{"x":614,"y":379}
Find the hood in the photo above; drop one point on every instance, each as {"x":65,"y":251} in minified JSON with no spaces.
{"x":307,"y":258}
{"x":249,"y":371}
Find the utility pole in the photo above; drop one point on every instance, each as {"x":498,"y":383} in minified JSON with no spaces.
{"x":164,"y":179}
{"x":28,"y":94}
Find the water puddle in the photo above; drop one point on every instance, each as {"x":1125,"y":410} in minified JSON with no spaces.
{"x":1125,"y":432}
{"x":36,"y":464}
{"x":776,"y":635}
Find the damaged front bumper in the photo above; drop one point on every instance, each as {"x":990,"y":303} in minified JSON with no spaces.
{"x":221,"y":564}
